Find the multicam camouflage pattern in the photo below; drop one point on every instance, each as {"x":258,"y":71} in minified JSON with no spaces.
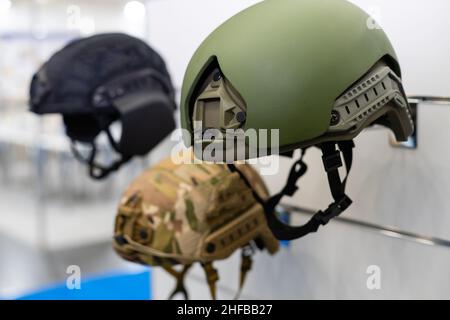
{"x":182,"y":213}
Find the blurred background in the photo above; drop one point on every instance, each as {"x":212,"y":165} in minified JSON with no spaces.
{"x":53,"y":216}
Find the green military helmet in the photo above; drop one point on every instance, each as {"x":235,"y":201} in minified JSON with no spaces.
{"x":179,"y":214}
{"x":318,"y":71}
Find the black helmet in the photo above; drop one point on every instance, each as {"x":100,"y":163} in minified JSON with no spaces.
{"x":96,"y":81}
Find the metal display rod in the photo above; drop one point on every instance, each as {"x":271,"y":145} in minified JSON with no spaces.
{"x":433,"y":99}
{"x":384,"y":230}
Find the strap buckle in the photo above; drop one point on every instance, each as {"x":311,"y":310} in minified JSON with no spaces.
{"x":332,"y":161}
{"x":333,"y":210}
{"x":298,"y":169}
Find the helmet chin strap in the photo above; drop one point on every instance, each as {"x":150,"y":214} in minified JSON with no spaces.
{"x":96,"y":170}
{"x":332,"y":162}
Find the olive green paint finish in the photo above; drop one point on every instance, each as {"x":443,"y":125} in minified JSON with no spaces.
{"x":290,"y":60}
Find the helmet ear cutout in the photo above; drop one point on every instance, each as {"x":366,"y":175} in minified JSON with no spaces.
{"x":214,"y":101}
{"x":219,"y":105}
{"x":200,"y":84}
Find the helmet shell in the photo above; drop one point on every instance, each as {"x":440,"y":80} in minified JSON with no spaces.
{"x":176,"y":210}
{"x":290,"y":60}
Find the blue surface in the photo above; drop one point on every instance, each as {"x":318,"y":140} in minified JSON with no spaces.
{"x":285,"y":217}
{"x":114,"y":286}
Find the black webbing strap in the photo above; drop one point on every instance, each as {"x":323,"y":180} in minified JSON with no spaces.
{"x":97,"y":171}
{"x":332,"y":162}
{"x":111,"y":140}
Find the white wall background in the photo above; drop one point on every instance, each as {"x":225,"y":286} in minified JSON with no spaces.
{"x":32,"y":30}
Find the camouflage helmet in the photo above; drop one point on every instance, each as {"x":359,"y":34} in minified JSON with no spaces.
{"x":179,"y":214}
{"x":284,"y":75}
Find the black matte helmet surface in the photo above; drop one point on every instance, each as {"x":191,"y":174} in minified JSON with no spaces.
{"x":95,"y":81}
